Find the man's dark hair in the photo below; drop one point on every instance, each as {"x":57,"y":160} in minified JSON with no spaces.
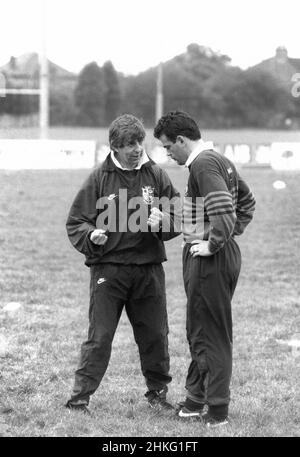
{"x":177,"y":123}
{"x":126,"y":130}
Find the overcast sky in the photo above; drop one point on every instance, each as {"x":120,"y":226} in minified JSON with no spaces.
{"x":138,"y":34}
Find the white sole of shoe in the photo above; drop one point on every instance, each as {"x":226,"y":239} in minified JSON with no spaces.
{"x":217,"y":424}
{"x":191,"y":414}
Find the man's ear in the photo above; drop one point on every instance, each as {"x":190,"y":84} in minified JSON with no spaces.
{"x":180,"y":139}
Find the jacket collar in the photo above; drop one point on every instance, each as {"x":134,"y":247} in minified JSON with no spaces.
{"x":110,"y":165}
{"x":144,"y":159}
{"x":201,"y":146}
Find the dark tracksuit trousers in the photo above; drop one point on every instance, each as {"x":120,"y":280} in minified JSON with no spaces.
{"x":209,"y":284}
{"x":141,"y":289}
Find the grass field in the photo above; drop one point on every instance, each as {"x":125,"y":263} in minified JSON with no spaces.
{"x":40,"y":270}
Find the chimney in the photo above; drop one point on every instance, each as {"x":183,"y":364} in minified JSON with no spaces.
{"x":13,"y":63}
{"x":281,"y":55}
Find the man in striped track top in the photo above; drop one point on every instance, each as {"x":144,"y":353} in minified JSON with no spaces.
{"x":211,"y":262}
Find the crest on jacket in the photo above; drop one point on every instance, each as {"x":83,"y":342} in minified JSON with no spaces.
{"x":148,"y":194}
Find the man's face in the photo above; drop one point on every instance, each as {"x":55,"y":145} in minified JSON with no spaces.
{"x":177,"y":150}
{"x":129,"y":155}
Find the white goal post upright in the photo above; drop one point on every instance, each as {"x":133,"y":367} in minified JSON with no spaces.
{"x":44,"y":74}
{"x":159,"y":93}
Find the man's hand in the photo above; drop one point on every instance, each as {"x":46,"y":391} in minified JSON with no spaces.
{"x":200,"y":248}
{"x":155,"y":218}
{"x":98,"y":237}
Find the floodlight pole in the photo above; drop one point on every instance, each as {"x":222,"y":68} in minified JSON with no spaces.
{"x":159,"y":93}
{"x":44,"y":75}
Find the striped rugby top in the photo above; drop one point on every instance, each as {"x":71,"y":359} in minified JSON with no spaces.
{"x":218,"y":201}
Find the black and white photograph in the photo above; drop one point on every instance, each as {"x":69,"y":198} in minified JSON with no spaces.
{"x":149,"y":222}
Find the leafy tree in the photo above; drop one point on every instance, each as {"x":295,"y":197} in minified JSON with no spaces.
{"x":255,"y":99}
{"x":185,"y":81}
{"x":181,"y":89}
{"x":62,"y":109}
{"x":113,"y":94}
{"x":139,"y":94}
{"x":90,"y":94}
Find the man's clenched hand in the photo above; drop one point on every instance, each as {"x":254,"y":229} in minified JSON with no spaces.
{"x":98,"y":237}
{"x":155,"y":218}
{"x":200,"y":248}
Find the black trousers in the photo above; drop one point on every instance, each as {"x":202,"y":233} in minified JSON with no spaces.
{"x":141,"y":290}
{"x":209,"y":284}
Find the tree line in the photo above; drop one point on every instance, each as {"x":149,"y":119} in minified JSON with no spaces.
{"x":199,"y":81}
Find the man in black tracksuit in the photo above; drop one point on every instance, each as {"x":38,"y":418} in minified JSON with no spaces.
{"x":116,"y":223}
{"x":211,"y":262}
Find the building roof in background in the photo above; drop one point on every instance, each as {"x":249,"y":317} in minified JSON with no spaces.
{"x":27,"y":65}
{"x":281,"y":66}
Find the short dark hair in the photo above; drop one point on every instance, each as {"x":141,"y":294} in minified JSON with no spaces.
{"x":177,"y":123}
{"x":124,"y":130}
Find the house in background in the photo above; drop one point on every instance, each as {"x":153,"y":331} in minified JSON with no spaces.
{"x":23,"y":72}
{"x":281,"y":66}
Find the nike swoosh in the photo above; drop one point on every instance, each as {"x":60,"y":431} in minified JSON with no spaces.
{"x":101,"y":280}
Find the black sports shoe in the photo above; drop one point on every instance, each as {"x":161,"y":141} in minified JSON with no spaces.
{"x":189,"y":408}
{"x":157,"y":399}
{"x":78,"y":407}
{"x":214,"y":421}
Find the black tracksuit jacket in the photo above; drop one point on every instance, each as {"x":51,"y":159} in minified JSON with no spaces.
{"x":122,"y":247}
